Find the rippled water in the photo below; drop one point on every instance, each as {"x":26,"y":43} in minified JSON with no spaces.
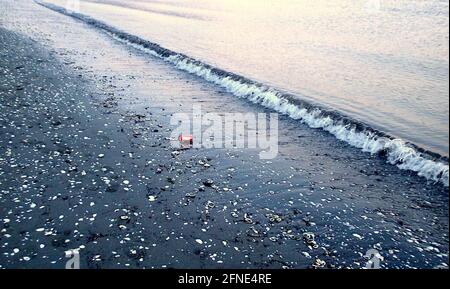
{"x":383,"y":62}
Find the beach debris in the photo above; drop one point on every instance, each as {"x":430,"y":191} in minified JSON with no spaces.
{"x":247,"y":219}
{"x":210,"y":205}
{"x":318,"y":263}
{"x":309,"y":239}
{"x":234,"y":215}
{"x":186,"y":139}
{"x":306,"y":254}
{"x":208,"y":183}
{"x":357,"y":236}
{"x":204,"y":163}
{"x":191,"y":195}
{"x":273,"y":218}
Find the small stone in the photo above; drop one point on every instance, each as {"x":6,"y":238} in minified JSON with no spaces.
{"x":208,"y":183}
{"x":358,"y":236}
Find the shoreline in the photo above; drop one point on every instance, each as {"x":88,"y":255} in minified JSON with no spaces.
{"x":405,"y":155}
{"x":315,"y":186}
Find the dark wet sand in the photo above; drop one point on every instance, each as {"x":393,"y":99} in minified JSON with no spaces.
{"x":84,"y":126}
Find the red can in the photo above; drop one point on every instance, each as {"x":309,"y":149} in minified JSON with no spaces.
{"x":186,"y":139}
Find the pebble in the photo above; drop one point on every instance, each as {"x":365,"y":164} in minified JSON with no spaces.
{"x":208,"y":183}
{"x":358,"y":236}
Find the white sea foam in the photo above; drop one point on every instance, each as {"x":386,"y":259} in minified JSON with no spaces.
{"x":397,"y":151}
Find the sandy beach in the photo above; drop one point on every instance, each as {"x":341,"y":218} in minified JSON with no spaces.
{"x":86,"y":163}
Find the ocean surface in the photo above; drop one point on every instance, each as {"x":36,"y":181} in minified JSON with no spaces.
{"x":383,"y":64}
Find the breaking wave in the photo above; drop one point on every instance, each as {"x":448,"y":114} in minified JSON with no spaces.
{"x":404,"y":155}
